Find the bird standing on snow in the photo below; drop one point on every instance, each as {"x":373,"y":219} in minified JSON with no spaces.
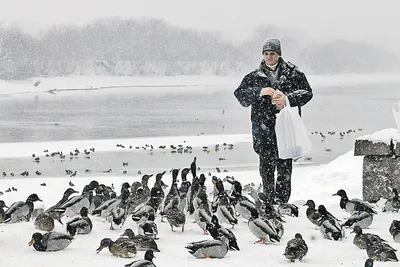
{"x":354,"y":204}
{"x":262,"y":229}
{"x":225,"y":211}
{"x":313,"y":214}
{"x":184,"y":189}
{"x":296,"y":248}
{"x":202,"y":215}
{"x":20,"y":210}
{"x":175,"y":216}
{"x":45,"y":220}
{"x":330,"y":227}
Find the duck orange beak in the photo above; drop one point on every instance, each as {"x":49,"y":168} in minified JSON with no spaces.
{"x":99,"y":249}
{"x":31,"y":242}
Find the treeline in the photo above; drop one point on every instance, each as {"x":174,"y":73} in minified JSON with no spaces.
{"x":152,"y":47}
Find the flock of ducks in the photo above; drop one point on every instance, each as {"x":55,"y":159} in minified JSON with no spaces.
{"x":210,"y":210}
{"x":75,"y":153}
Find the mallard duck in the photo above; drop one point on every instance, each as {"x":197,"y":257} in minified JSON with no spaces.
{"x":219,"y":188}
{"x":122,"y":247}
{"x":80,"y":225}
{"x":176,"y":217}
{"x":193,"y":190}
{"x":142,"y":242}
{"x":45,"y":220}
{"x":360,"y":239}
{"x":52,"y":241}
{"x":362,"y":219}
{"x":2,"y":212}
{"x":104,"y":209}
{"x":393,"y":203}
{"x":296,"y":248}
{"x":225,"y":211}
{"x":202,"y":215}
{"x":262,"y":229}
{"x":145,"y":186}
{"x":142,"y":212}
{"x":215,"y":229}
{"x":200,"y":190}
{"x":208,"y":249}
{"x":136,"y":196}
{"x":275,"y":219}
{"x":119,"y":213}
{"x":184,"y":189}
{"x":74,"y":205}
{"x":395,"y":230}
{"x":159,"y":185}
{"x":20,"y":210}
{"x":239,"y":201}
{"x":65,"y":198}
{"x":173,"y":191}
{"x":147,"y":262}
{"x":330,"y":227}
{"x":148,"y":227}
{"x":354,"y":204}
{"x":380,"y":251}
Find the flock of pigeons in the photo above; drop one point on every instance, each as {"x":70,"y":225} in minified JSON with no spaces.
{"x":209,"y":210}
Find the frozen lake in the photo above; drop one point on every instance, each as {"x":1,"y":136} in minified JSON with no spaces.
{"x":126,"y":113}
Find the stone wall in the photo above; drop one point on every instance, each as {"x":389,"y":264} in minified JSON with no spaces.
{"x":381,"y":164}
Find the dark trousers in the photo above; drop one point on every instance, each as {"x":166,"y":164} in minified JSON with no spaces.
{"x":279,"y":191}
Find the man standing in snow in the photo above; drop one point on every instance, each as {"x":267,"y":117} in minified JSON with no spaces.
{"x":266,"y":89}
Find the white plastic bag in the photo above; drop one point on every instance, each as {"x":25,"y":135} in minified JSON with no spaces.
{"x":291,"y":134}
{"x":396,"y":113}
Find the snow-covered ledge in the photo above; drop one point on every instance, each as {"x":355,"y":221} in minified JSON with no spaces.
{"x":381,"y":164}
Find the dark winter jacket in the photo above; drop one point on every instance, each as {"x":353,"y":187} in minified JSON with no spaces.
{"x":291,"y":81}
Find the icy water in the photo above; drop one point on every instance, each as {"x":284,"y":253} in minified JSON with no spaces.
{"x":124,"y":113}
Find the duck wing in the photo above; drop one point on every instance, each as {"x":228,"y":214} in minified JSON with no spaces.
{"x":56,"y":241}
{"x":106,"y":206}
{"x":204,"y":244}
{"x":14,"y":207}
{"x":360,"y":205}
{"x":124,"y":243}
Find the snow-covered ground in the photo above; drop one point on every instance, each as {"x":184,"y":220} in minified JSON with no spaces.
{"x":153,"y":83}
{"x":317,"y":183}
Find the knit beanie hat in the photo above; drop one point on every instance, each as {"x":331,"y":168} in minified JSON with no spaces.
{"x":272,"y":44}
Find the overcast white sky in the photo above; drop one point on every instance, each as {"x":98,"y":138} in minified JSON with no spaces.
{"x":367,"y":20}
